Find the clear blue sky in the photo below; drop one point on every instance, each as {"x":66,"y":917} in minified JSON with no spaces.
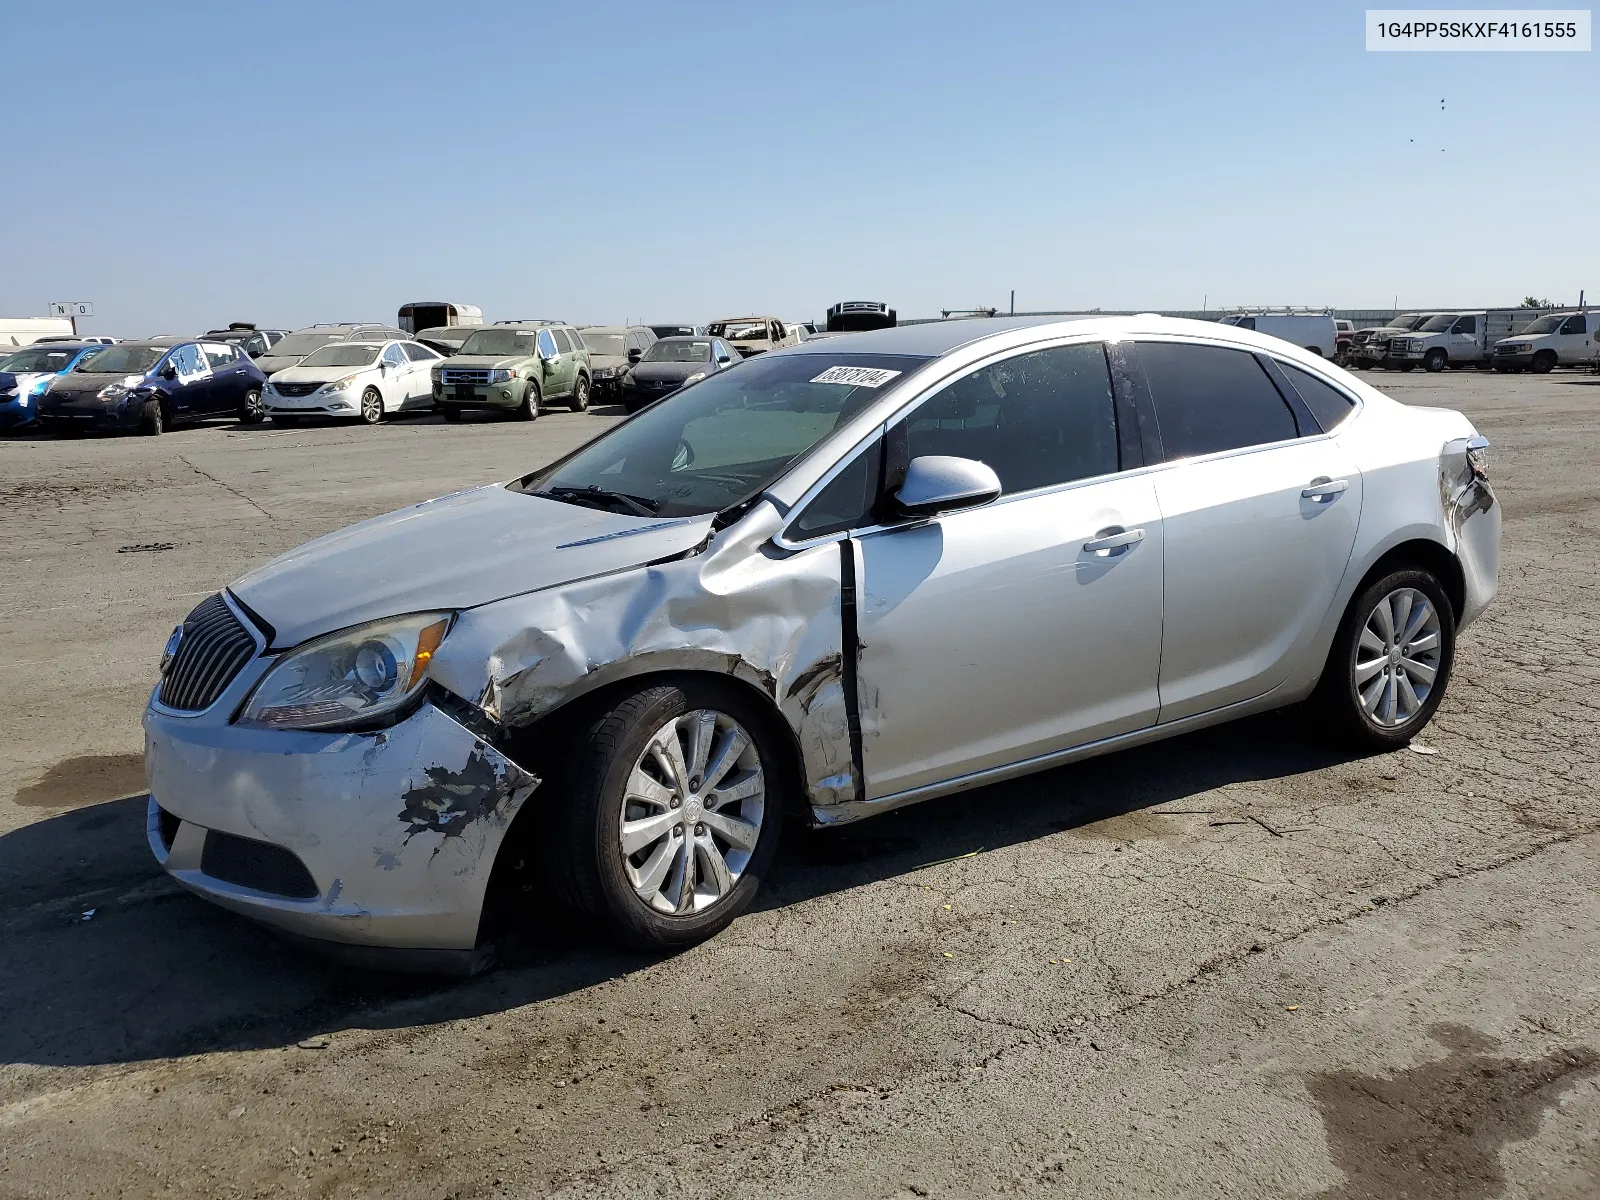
{"x":183,"y":165}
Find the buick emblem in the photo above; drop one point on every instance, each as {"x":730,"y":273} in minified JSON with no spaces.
{"x":170,"y":650}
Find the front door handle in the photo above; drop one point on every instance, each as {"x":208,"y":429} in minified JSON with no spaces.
{"x":1113,"y":539}
{"x":1323,"y":489}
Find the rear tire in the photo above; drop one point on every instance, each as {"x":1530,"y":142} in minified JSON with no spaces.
{"x":1390,"y":662}
{"x":1434,"y":361}
{"x":631,"y":881}
{"x":253,"y":412}
{"x":152,"y":421}
{"x":580,"y":395}
{"x":1544,"y":362}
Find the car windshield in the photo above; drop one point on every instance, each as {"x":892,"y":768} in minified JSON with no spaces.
{"x":1437,"y":324}
{"x":342,"y":355}
{"x":722,"y":441}
{"x":690,"y":352}
{"x":1547,"y":324}
{"x":37,"y":358}
{"x":122,"y":360}
{"x":497,"y":342}
{"x":602,"y":343}
{"x":302,"y":343}
{"x":738,"y":330}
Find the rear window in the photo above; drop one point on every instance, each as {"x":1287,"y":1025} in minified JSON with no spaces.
{"x":1210,"y":398}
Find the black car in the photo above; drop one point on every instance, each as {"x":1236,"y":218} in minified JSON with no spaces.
{"x":672,"y":363}
{"x":149,"y":386}
{"x":254,"y":342}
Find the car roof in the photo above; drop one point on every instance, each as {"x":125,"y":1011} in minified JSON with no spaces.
{"x":933,"y":338}
{"x":8,"y":351}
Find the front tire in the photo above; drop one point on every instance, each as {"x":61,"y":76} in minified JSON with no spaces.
{"x":1390,"y":662}
{"x":371,"y":406}
{"x":673,"y":815}
{"x":528,"y":410}
{"x":152,"y":421}
{"x":580,"y":395}
{"x":253,"y":411}
{"x":1544,"y":362}
{"x":1434,"y":361}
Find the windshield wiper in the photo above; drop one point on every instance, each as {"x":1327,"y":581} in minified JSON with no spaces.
{"x":640,"y":506}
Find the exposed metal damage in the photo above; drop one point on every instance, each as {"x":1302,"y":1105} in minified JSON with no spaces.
{"x":450,"y":800}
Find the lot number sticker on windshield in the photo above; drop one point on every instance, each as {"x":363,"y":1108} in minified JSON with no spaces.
{"x":868,"y":377}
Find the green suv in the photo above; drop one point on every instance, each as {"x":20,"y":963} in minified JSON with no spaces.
{"x":515,"y":366}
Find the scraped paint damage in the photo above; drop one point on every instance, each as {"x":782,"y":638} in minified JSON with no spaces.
{"x":451,"y":800}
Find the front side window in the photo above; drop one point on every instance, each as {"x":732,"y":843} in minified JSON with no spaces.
{"x":393,"y":355}
{"x":186,"y":361}
{"x":1211,"y":398}
{"x":846,"y":501}
{"x":547,"y":344}
{"x":722,"y":441}
{"x":1038,"y":419}
{"x":1327,"y":403}
{"x":1467,"y":325}
{"x":1573,"y":324}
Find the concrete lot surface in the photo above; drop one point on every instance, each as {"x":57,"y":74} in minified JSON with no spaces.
{"x":1236,"y":964}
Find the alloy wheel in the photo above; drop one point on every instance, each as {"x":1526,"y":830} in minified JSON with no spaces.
{"x":692,"y":813}
{"x":371,"y":406}
{"x":1397,"y":658}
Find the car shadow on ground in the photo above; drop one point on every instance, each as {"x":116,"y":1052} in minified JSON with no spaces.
{"x":104,"y":960}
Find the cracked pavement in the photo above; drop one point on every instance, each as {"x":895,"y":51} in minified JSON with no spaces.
{"x":1236,"y":964}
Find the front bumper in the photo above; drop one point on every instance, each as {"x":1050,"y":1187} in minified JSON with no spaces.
{"x":395,"y":831}
{"x":480,"y":395}
{"x":17,"y":412}
{"x":1520,"y":361}
{"x":122,"y":413}
{"x":338,"y":404}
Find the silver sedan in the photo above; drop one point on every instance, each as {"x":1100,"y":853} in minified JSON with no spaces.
{"x":837,"y":579}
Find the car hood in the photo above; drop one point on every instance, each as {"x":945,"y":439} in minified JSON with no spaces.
{"x":459,"y":551}
{"x":93,"y":381}
{"x":480,"y":362}
{"x":675,"y":371}
{"x":318,"y":374}
{"x":271,"y":364}
{"x":607,"y":362}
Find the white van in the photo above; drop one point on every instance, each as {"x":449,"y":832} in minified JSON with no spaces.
{"x":1315,"y":332}
{"x":1567,"y":338}
{"x":25,"y":331}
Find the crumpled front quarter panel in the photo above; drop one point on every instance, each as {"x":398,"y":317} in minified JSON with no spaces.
{"x":739,"y":607}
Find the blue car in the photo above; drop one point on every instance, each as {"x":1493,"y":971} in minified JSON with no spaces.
{"x":150,"y":386}
{"x":26,"y":373}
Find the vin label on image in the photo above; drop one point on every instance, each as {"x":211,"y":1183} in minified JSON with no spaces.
{"x":867,"y":377}
{"x":1478,"y":29}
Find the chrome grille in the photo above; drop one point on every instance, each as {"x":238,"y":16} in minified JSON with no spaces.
{"x":211,"y":652}
{"x":463,"y":375}
{"x":295,"y":389}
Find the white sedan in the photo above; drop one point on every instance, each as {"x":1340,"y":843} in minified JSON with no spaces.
{"x":353,"y":379}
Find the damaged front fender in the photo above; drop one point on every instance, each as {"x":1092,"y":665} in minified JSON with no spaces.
{"x":740,"y":607}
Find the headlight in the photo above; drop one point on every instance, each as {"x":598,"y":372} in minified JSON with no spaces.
{"x":695,"y":378}
{"x":348,"y":677}
{"x":604,"y":372}
{"x":339,"y":385}
{"x":502,"y":376}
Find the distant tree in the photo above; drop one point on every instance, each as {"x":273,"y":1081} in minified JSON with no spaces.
{"x":1535,"y":302}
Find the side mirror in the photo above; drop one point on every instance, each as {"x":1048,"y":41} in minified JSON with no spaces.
{"x":635,"y":354}
{"x":723,"y":360}
{"x":937,"y":483}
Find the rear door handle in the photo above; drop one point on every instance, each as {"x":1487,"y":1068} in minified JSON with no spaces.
{"x":1323,"y":489}
{"x":1113,"y":539}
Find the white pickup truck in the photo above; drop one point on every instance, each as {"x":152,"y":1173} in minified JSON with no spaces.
{"x":1569,"y":338}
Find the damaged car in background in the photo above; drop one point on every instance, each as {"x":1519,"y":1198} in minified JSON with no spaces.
{"x":821,"y":586}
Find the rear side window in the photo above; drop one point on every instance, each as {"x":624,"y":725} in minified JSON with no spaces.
{"x":846,"y":502}
{"x":1210,"y":398}
{"x":562,"y":344}
{"x":1038,"y":419}
{"x":219,"y":357}
{"x":1327,"y":403}
{"x":417,"y":353}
